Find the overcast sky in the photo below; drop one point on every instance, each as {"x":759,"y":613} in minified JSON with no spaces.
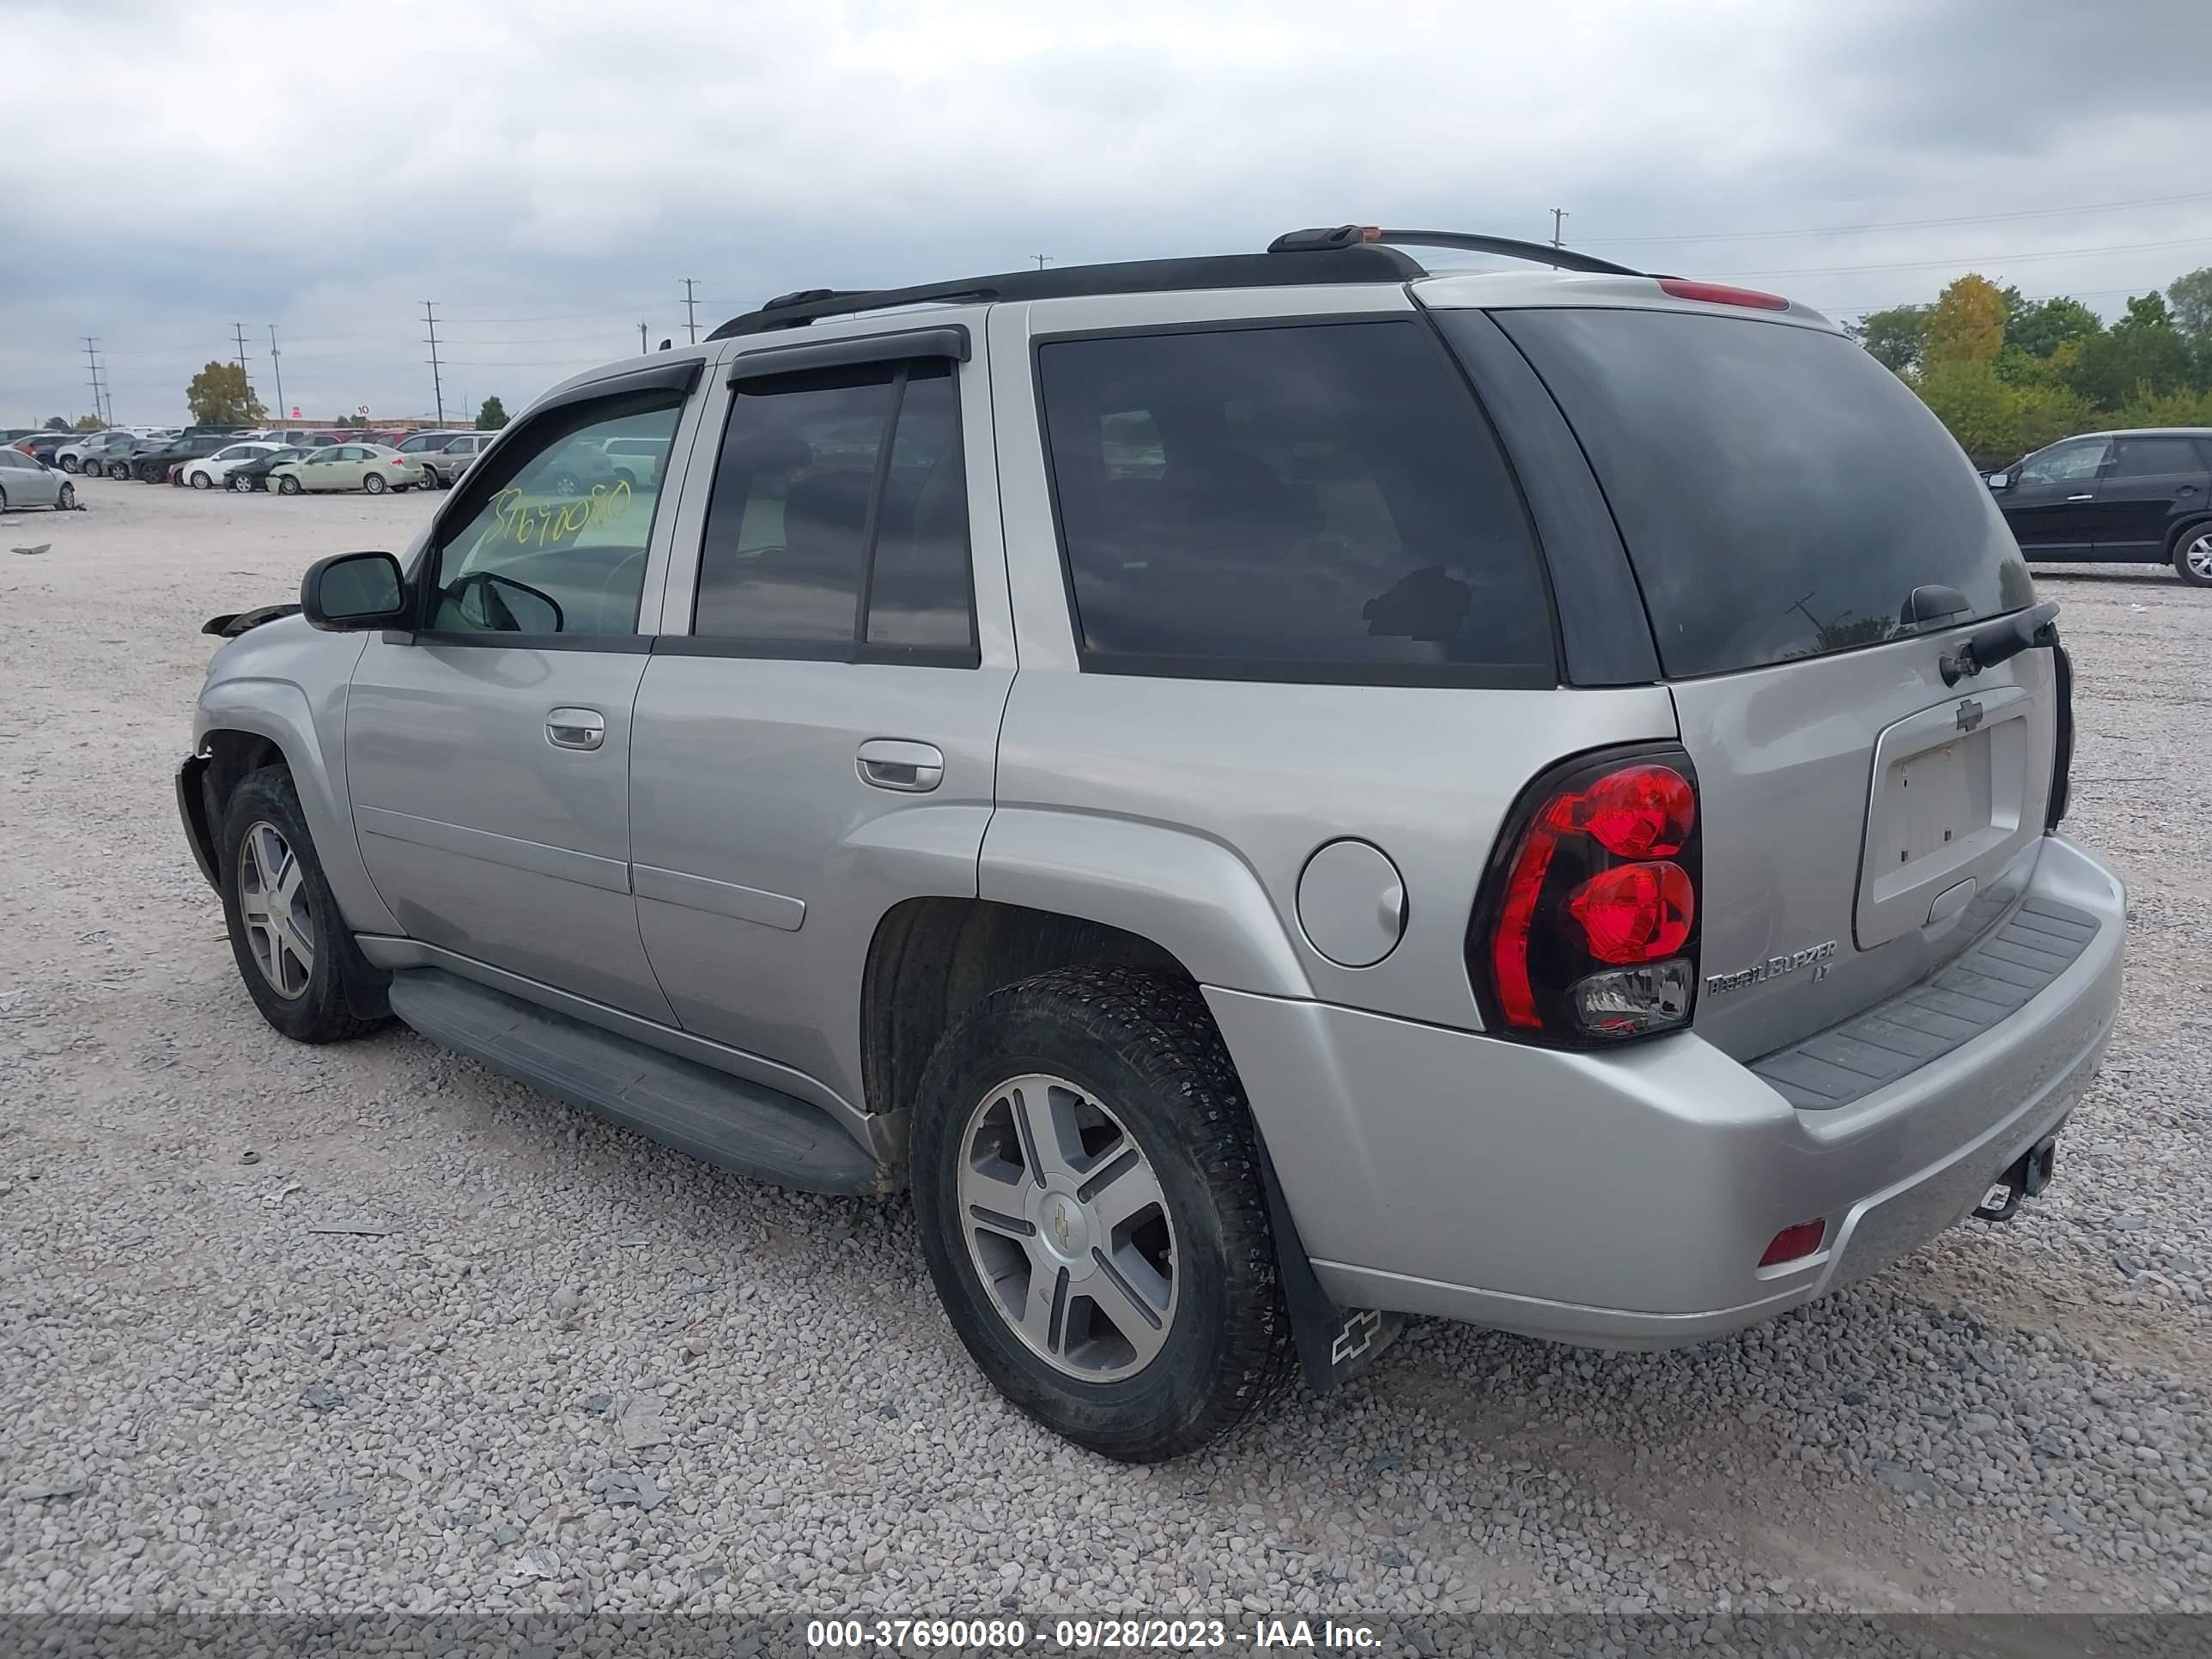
{"x":549,"y":171}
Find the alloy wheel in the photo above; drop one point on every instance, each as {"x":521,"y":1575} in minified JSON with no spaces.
{"x":1068,"y":1228}
{"x":272,"y":903}
{"x":2197,"y":553}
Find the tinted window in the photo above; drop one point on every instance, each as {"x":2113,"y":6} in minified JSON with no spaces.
{"x":786,"y":549}
{"x":546,"y":552}
{"x":2067,"y":464}
{"x":2145,"y":458}
{"x":1780,"y":492}
{"x":1312,"y":501}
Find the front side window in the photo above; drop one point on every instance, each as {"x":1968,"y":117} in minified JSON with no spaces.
{"x":2155,"y":457}
{"x":2068,"y":463}
{"x":1320,"y":501}
{"x":811,"y":520}
{"x":559,"y":548}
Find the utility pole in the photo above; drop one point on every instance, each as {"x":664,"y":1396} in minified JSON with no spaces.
{"x":642,"y":347}
{"x":1559,"y":215}
{"x":437,"y":381}
{"x":240,"y":330}
{"x":690,"y":310}
{"x":1042,"y":260}
{"x":93,"y":362}
{"x":277,"y":367}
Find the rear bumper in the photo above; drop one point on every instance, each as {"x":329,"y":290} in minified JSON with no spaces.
{"x":1624,"y":1199}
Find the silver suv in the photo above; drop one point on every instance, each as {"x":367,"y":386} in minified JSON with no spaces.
{"x":1273,"y":792}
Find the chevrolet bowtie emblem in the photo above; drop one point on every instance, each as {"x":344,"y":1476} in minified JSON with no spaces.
{"x":1970,"y":715}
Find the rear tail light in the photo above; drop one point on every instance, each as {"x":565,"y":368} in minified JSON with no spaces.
{"x":1587,"y":931}
{"x":2061,"y":761}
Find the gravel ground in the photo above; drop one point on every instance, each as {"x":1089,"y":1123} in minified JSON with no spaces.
{"x":559,"y":1367}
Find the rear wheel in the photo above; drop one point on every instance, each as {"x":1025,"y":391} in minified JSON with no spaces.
{"x":285,"y":929}
{"x":70,"y":464}
{"x":1087,"y":1180}
{"x":2192,"y":555}
{"x":241,"y":484}
{"x":374,"y":483}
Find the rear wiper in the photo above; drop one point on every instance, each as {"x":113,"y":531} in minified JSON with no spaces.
{"x":2022,"y":631}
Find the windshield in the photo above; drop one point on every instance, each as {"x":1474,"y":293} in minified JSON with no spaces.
{"x":1781,"y":493}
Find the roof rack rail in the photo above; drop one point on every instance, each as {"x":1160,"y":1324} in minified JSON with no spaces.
{"x":1343,"y":253}
{"x":1350,"y":264}
{"x":1342,"y":236}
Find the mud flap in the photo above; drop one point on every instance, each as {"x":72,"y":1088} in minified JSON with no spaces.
{"x":1335,"y":1344}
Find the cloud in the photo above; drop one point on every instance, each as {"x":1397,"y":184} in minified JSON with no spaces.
{"x":547,"y":174}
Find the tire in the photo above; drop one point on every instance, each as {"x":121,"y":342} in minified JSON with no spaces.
{"x":372,"y":484}
{"x":264,"y":845}
{"x":430,"y":480}
{"x":200,"y":481}
{"x":1136,"y":1067}
{"x":66,"y":501}
{"x":2193,"y":553}
{"x":287,"y":485}
{"x":239,"y":485}
{"x":566,"y":483}
{"x":70,"y":464}
{"x":3,"y":500}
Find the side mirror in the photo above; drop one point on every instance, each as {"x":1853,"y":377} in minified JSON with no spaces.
{"x":348,"y":592}
{"x":1999,"y":480}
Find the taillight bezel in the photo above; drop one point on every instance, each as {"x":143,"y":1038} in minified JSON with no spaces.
{"x":1553,"y":990}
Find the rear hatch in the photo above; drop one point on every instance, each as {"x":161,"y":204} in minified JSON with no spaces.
{"x":1782,"y":496}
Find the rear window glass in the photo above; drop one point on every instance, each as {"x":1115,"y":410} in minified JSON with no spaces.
{"x":1780,"y":492}
{"x":1320,"y":501}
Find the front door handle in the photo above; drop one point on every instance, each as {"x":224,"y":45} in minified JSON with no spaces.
{"x":575,"y":728}
{"x":915,"y":768}
{"x":2081,"y":498}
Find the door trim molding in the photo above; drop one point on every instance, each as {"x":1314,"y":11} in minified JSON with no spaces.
{"x":585,"y":869}
{"x":720,"y":898}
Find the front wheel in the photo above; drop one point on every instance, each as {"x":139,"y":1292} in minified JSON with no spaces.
{"x":287,"y":485}
{"x":285,"y":929}
{"x":67,"y":500}
{"x":2192,"y":555}
{"x":201,"y":481}
{"x":374,"y":483}
{"x":1086,"y":1175}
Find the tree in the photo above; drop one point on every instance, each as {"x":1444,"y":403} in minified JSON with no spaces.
{"x":2039,"y":331}
{"x":55,"y":423}
{"x":354,"y":423}
{"x":2191,"y":297}
{"x":219,"y":395}
{"x":1969,"y":323}
{"x":1995,"y":419}
{"x":2143,"y":355}
{"x":492,"y":415}
{"x":90,"y":423}
{"x":1896,"y":338}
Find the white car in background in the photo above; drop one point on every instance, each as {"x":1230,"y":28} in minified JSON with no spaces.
{"x":210,"y":471}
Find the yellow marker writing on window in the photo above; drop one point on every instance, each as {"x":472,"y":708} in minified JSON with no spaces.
{"x":534,"y":525}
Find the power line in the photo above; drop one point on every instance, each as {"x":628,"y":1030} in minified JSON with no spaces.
{"x":437,"y":381}
{"x":1901,"y":224}
{"x":691,"y":310}
{"x":1973,"y":259}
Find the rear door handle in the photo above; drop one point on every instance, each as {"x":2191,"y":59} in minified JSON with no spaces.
{"x":575,"y":728}
{"x":914,"y":768}
{"x":2082,"y":498}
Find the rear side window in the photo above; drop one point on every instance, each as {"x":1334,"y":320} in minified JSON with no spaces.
{"x":2153,"y":457}
{"x":838,"y":525}
{"x":1781,"y":494}
{"x":1314,"y":501}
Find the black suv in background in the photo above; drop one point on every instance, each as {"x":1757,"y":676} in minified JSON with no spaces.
{"x":2139,"y":497}
{"x":150,"y":461}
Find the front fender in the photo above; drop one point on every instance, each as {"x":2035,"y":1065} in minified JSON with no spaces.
{"x":1190,"y":895}
{"x":311,"y":732}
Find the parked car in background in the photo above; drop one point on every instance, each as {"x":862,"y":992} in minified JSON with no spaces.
{"x":151,"y":461}
{"x":374,"y":468}
{"x":2140,"y":496}
{"x":416,"y":443}
{"x":247,"y":476}
{"x":454,"y":454}
{"x":26,"y":483}
{"x":213,"y":471}
{"x":42,"y":446}
{"x":109,"y":450}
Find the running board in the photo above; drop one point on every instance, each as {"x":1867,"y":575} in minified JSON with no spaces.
{"x":733,"y":1124}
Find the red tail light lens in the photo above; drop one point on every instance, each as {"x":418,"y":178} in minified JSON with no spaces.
{"x":1793,"y":1242}
{"x":1720,"y":293}
{"x":1598,"y":873}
